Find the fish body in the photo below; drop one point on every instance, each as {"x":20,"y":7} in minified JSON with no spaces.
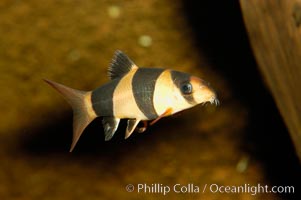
{"x":136,"y":94}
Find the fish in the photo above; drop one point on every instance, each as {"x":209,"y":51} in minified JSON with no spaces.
{"x":135,"y":94}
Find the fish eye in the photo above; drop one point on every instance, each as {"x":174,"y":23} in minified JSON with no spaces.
{"x":186,"y":88}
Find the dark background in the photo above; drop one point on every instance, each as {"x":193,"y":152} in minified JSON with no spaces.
{"x":220,"y":33}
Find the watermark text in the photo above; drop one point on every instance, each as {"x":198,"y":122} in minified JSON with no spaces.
{"x":191,"y":188}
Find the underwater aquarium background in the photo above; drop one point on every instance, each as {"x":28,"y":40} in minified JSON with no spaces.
{"x":242,"y":141}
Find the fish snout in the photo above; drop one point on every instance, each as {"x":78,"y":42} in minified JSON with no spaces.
{"x":204,"y":92}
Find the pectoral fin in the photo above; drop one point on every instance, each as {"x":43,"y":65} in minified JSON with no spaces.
{"x":166,"y":113}
{"x":110,"y":125}
{"x":132,"y":124}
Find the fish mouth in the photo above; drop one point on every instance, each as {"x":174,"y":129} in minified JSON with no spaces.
{"x":215,"y":101}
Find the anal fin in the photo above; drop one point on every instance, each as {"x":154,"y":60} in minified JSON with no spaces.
{"x":132,"y":124}
{"x":110,"y":125}
{"x":143,"y":128}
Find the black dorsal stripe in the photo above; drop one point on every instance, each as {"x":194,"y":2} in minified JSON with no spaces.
{"x":102,"y":99}
{"x":143,"y":85}
{"x":179,"y":78}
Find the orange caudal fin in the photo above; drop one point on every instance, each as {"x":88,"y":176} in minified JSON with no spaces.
{"x":82,"y":116}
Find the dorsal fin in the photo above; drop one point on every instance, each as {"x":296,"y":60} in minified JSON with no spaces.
{"x":121,"y":64}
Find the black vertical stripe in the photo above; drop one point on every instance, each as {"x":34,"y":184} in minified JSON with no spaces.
{"x":180,"y":78}
{"x":102,"y":99}
{"x":143,"y":85}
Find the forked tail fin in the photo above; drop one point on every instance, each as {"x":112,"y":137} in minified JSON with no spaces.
{"x":82,"y":111}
